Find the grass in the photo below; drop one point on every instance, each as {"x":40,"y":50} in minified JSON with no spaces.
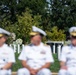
{"x":54,"y":67}
{"x":17,"y":64}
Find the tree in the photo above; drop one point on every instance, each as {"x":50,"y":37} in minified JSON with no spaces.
{"x":63,"y":13}
{"x":23,"y":26}
{"x":9,"y":9}
{"x":25,"y":23}
{"x":56,"y":35}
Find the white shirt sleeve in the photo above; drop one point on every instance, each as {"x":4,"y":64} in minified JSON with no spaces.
{"x":22,"y":56}
{"x":49,"y":57}
{"x":11,"y":57}
{"x":63,"y":54}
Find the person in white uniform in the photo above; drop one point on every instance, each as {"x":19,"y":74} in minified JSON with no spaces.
{"x":68,"y":56}
{"x":7,"y":57}
{"x":36,"y":58}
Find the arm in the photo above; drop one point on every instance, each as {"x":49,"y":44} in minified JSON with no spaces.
{"x":49,"y":58}
{"x":63,"y":65}
{"x":24,"y":64}
{"x":8,"y":66}
{"x":23,"y":58}
{"x":11,"y":60}
{"x":63,"y":58}
{"x":47,"y":65}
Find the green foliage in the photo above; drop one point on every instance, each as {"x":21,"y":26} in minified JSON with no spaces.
{"x":55,"y":66}
{"x":9,"y":9}
{"x":45,"y":15}
{"x":55,"y":34}
{"x":63,"y":13}
{"x":17,"y":64}
{"x":23,"y":26}
{"x":25,"y":23}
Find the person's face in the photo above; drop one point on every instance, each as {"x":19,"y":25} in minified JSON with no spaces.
{"x":2,"y":40}
{"x":36,"y":39}
{"x":73,"y":40}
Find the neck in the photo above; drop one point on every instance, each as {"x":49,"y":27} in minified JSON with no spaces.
{"x":37,"y":44}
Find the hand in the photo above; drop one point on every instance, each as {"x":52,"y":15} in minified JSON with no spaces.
{"x":32,"y":71}
{"x":37,"y":70}
{"x":64,"y":67}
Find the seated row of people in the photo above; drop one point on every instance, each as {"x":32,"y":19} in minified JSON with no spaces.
{"x":36,"y":58}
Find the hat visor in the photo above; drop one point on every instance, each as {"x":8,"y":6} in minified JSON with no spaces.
{"x":73,"y":33}
{"x":34,"y":33}
{"x":1,"y":35}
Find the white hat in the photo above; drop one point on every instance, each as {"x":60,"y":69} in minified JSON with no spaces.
{"x":2,"y":31}
{"x":72,"y":31}
{"x":36,"y":31}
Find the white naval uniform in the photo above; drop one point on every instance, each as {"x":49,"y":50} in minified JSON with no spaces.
{"x":68,"y":55}
{"x":36,"y":57}
{"x":6,"y":56}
